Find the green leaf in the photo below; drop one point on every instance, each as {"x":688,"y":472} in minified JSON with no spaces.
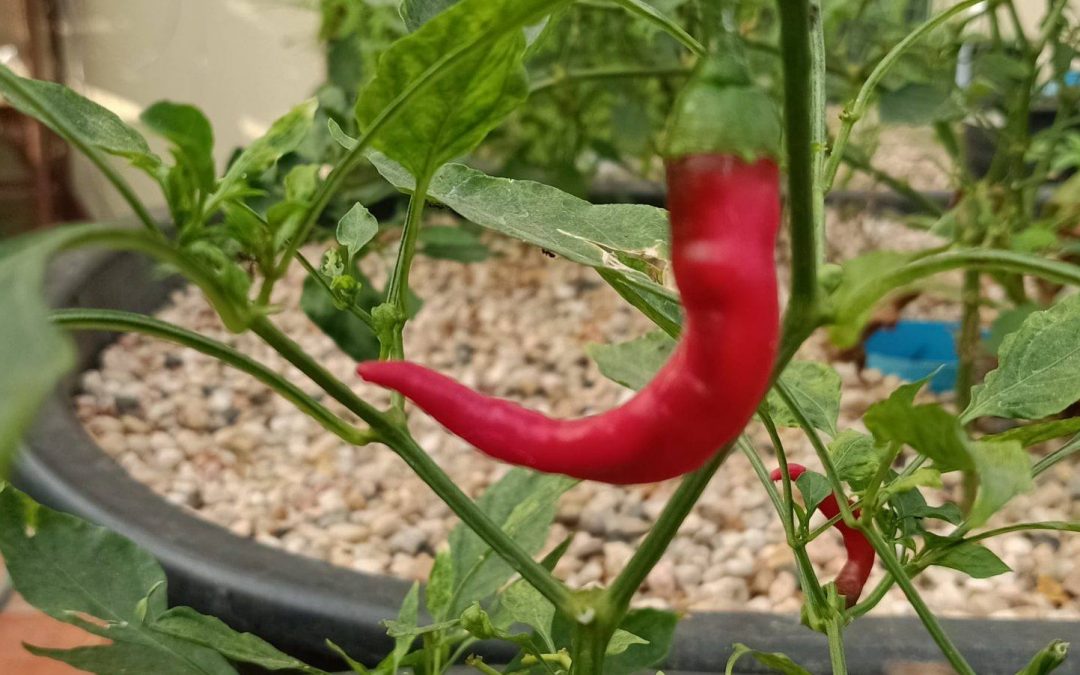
{"x":1004,"y":471}
{"x":71,"y":570}
{"x":187,"y":624}
{"x":409,"y":615}
{"x":974,"y":560}
{"x":468,"y":60}
{"x":284,"y":136}
{"x":849,"y":316}
{"x":191,"y":134}
{"x":440,"y":586}
{"x":1049,"y":659}
{"x":856,"y":457}
{"x":523,"y":504}
{"x":815,"y":387}
{"x":75,"y":118}
{"x":919,"y":478}
{"x":452,"y":243}
{"x":416,"y":13}
{"x":1007,"y":322}
{"x":1040,"y":432}
{"x":61,"y":564}
{"x":657,"y":628}
{"x":1039,"y":371}
{"x":919,"y":104}
{"x":928,"y":429}
{"x":353,"y":664}
{"x":35,"y":355}
{"x":356,"y":228}
{"x":622,"y":640}
{"x":301,"y":182}
{"x":814,"y":488}
{"x":633,"y":364}
{"x":525,"y":605}
{"x":126,"y":658}
{"x":774,"y":660}
{"x":599,"y":236}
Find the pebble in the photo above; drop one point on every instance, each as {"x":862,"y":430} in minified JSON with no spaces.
{"x":218,"y":443}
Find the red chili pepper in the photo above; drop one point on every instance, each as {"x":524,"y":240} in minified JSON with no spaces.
{"x":725,"y":211}
{"x":852,"y":577}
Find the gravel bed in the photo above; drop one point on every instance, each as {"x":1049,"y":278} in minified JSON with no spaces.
{"x":218,"y":443}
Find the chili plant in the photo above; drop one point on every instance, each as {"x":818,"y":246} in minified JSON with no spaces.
{"x":435,"y":94}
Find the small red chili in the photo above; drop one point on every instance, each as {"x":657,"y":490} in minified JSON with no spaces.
{"x":724,"y":202}
{"x":860,"y":554}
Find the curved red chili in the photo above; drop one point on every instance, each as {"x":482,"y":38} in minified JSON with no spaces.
{"x":860,"y":554}
{"x":725,"y":213}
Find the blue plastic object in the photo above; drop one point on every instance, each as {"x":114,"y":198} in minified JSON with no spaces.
{"x":914,"y":349}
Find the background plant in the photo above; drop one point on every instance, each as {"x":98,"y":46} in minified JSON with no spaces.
{"x":430,"y":99}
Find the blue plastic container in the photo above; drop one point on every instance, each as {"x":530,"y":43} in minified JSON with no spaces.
{"x":914,"y":349}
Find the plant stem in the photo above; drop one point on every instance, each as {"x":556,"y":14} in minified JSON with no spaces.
{"x":128,"y":322}
{"x":835,"y":631}
{"x":819,"y":130}
{"x":605,"y":73}
{"x":899,"y":575}
{"x":798,"y":97}
{"x":968,"y":340}
{"x":667,"y":525}
{"x":897,"y":185}
{"x":982,"y":259}
{"x":314,"y":274}
{"x":398,"y":287}
{"x":234,"y":318}
{"x":1066,"y":451}
{"x":857,"y":108}
{"x":664,"y":22}
{"x":401,"y":443}
{"x":810,"y":583}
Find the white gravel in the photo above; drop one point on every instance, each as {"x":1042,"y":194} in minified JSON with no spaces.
{"x":218,"y":443}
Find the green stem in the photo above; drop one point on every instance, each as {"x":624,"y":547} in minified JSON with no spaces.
{"x":819,"y":129}
{"x":314,"y":274}
{"x":60,"y":126}
{"x":897,"y":185}
{"x":1066,"y":451}
{"x":835,"y":631}
{"x":127,"y":322}
{"x":968,"y":340}
{"x":605,"y":73}
{"x":807,"y":577}
{"x":981,"y":259}
{"x":431,"y":473}
{"x":857,"y":108}
{"x":398,"y":287}
{"x":234,"y":318}
{"x":654,"y":545}
{"x":788,"y":515}
{"x":664,"y":22}
{"x":899,"y":575}
{"x":589,"y":647}
{"x":822,"y":453}
{"x":798,"y":97}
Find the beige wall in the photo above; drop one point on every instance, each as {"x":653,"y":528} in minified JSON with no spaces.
{"x":244,"y":62}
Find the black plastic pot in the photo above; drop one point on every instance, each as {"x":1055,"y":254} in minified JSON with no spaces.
{"x":297,"y":603}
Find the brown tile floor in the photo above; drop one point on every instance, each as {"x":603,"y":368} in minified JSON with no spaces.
{"x":19,"y":623}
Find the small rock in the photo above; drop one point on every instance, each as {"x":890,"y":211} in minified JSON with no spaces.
{"x":688,"y":575}
{"x":408,"y":540}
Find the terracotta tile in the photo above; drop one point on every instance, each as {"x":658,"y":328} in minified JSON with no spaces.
{"x":20,"y":623}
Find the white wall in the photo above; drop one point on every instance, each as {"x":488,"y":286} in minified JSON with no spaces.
{"x":244,"y":62}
